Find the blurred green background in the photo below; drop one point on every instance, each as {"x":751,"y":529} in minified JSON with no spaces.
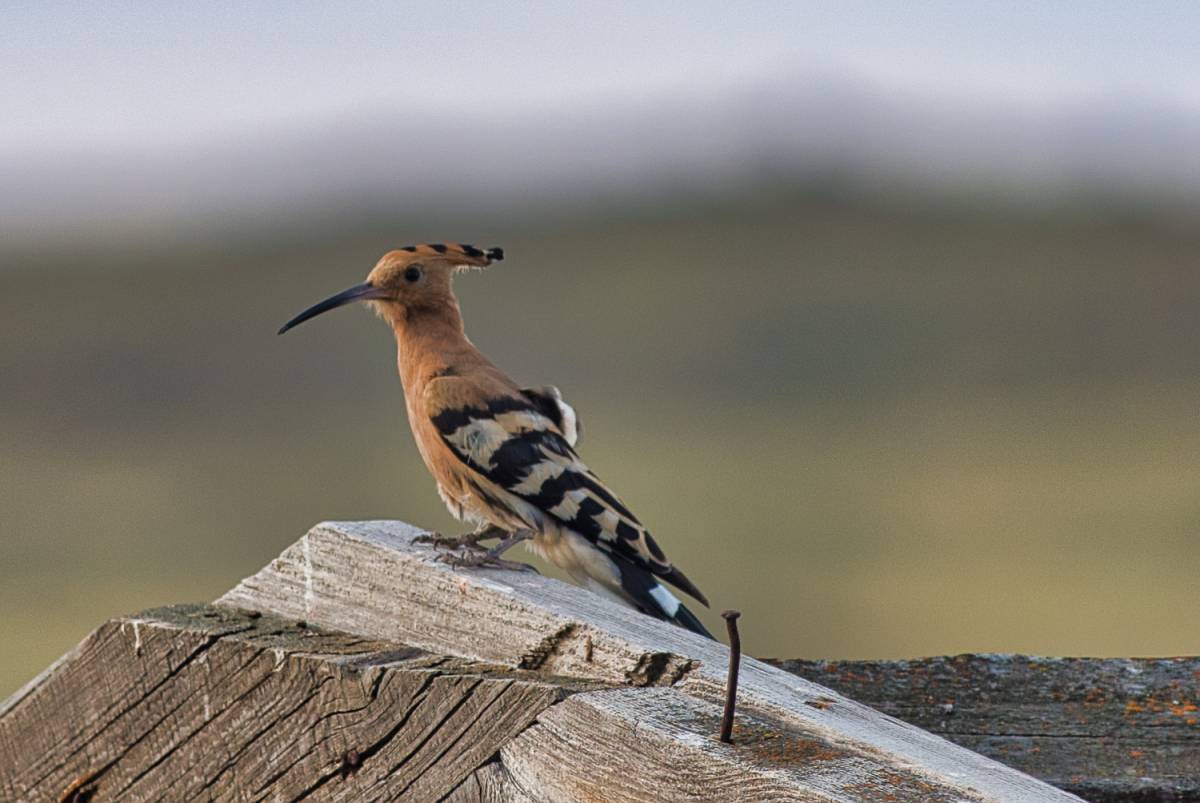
{"x":878,"y":430}
{"x":881,"y":412}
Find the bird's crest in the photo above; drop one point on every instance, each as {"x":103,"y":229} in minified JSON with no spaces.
{"x":469,"y":254}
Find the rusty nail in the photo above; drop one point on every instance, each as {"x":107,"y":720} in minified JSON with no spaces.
{"x":731,"y":680}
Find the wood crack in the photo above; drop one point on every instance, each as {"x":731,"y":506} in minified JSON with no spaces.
{"x":373,"y":695}
{"x":232,"y":761}
{"x":659,"y":669}
{"x":538,"y":655}
{"x":466,"y":695}
{"x":371,"y":750}
{"x":481,"y":715}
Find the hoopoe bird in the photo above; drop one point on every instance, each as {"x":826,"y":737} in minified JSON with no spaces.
{"x":504,"y":456}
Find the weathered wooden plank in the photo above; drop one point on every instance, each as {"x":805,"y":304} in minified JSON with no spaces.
{"x":657,"y":744}
{"x":370,"y":578}
{"x":204,"y":703}
{"x":1113,"y":729}
{"x":200,"y":703}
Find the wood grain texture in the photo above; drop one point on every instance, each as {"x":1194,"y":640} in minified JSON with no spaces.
{"x":1111,"y":730}
{"x":491,"y":783}
{"x":194,"y":702}
{"x":371,"y":579}
{"x":660,"y":744}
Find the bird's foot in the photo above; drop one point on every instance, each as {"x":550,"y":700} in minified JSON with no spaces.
{"x":491,"y":558}
{"x":483,"y":560}
{"x":467,"y":540}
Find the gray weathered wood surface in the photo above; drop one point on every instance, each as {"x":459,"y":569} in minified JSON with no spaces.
{"x":809,"y":742}
{"x":200,"y":703}
{"x":1115,"y":730}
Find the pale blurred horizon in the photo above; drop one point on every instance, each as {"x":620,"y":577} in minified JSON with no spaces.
{"x":806,"y":130}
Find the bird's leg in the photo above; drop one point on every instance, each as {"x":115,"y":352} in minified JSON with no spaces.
{"x":492,"y":556}
{"x":469,"y":540}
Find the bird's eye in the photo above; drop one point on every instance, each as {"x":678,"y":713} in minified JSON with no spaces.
{"x":412,"y":273}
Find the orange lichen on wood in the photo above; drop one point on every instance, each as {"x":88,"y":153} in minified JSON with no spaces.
{"x":783,"y":749}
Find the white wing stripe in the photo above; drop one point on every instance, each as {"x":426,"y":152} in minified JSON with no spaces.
{"x":545,"y":470}
{"x":568,"y":508}
{"x":478,"y":440}
{"x":517,"y":421}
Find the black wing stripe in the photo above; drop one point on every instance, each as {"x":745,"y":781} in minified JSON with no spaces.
{"x":599,"y":490}
{"x":584,"y":521}
{"x":546,"y":405}
{"x":553,"y":490}
{"x":514,"y":459}
{"x":627,"y":532}
{"x":454,"y":418}
{"x":654,"y":548}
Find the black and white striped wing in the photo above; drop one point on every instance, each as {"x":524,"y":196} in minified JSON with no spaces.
{"x":511,"y":441}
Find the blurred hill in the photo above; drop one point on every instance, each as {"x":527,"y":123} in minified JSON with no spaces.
{"x":782,"y":130}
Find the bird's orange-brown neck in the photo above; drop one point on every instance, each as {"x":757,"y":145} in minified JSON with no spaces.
{"x":431,"y":342}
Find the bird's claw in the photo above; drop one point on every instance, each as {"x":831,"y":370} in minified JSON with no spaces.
{"x":483,"y":560}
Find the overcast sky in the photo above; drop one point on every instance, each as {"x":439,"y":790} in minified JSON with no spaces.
{"x":84,"y":76}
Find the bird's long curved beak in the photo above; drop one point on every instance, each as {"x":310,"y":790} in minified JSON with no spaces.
{"x":359,"y":292}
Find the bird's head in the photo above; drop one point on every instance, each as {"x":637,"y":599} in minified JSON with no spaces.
{"x":408,"y":278}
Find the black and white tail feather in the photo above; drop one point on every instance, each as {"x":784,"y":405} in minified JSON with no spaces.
{"x":524,"y":445}
{"x":653,"y":598}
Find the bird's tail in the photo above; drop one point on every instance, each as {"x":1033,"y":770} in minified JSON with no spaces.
{"x":687,"y":620}
{"x":651,"y":597}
